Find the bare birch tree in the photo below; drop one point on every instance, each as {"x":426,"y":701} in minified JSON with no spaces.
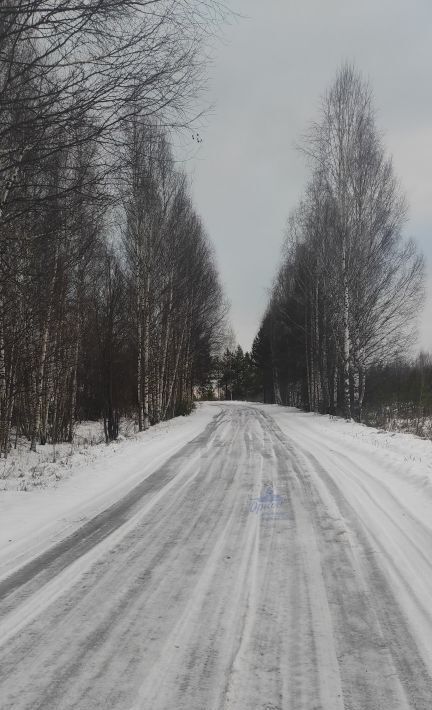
{"x":357,"y":280}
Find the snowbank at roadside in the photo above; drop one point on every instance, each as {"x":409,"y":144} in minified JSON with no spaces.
{"x":82,"y":482}
{"x":402,"y":456}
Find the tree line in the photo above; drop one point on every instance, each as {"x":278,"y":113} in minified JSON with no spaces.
{"x":110,"y":301}
{"x":233,"y":376}
{"x":400,"y":395}
{"x":350,"y":284}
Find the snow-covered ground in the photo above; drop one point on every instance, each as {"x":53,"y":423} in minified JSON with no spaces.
{"x":54,"y":491}
{"x":386,"y":478}
{"x":406,"y":456}
{"x":263,"y":559}
{"x":24,"y":470}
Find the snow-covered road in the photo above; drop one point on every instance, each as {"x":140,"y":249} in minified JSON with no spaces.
{"x":273,"y":563}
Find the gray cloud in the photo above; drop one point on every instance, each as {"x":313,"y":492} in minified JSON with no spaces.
{"x":265,"y":83}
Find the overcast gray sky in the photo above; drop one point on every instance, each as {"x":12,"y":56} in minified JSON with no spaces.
{"x":265,"y":84}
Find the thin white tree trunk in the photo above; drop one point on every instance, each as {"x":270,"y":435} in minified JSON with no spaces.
{"x":276,"y":387}
{"x":139,"y":316}
{"x":174,"y":375}
{"x":3,"y":399}
{"x":162,"y":381}
{"x":74,"y":382}
{"x":146,"y":359}
{"x":346,"y":336}
{"x":40,"y":368}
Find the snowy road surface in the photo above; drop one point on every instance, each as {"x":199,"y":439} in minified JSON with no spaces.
{"x":267,"y":565}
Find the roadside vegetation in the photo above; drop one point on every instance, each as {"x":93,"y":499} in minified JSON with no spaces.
{"x":340,"y":324}
{"x":110,"y":302}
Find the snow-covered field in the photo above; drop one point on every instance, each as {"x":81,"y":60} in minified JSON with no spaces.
{"x":253,"y":558}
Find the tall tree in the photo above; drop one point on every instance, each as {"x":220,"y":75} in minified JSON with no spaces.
{"x":350,"y":283}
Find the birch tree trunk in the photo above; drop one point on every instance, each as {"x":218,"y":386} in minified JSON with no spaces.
{"x":174,"y":374}
{"x":74,"y":381}
{"x":162,"y":378}
{"x":3,"y":402}
{"x":346,"y":335}
{"x":40,"y":368}
{"x":316,"y":352}
{"x":307,"y":360}
{"x":139,"y":316}
{"x":146,"y":358}
{"x":276,"y":387}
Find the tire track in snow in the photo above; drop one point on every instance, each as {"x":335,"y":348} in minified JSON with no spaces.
{"x":380,"y":662}
{"x":203,"y":605}
{"x":43,"y":568}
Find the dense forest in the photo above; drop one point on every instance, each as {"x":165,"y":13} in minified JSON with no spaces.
{"x":110,"y":301}
{"x":336,"y":333}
